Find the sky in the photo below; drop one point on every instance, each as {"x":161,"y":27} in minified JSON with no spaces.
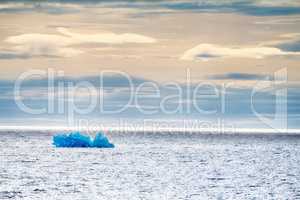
{"x":232,"y":61}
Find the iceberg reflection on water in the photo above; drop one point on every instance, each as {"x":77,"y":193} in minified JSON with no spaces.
{"x":76,"y":139}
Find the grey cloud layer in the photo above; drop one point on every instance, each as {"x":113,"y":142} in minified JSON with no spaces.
{"x":116,"y":91}
{"x":240,"y":76}
{"x":248,"y":7}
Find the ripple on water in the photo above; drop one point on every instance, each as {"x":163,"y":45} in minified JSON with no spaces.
{"x":146,"y":167}
{"x":10,"y":194}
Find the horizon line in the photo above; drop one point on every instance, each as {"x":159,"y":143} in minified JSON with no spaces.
{"x":149,"y":129}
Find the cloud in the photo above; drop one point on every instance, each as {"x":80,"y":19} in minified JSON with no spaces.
{"x":113,"y":86}
{"x":292,"y":46}
{"x":239,"y":76}
{"x":41,"y":7}
{"x":35,"y":93}
{"x":248,"y":7}
{"x":279,"y":21}
{"x":283,"y":38}
{"x":12,"y":55}
{"x":106,"y":79}
{"x":205,"y":52}
{"x":288,"y":42}
{"x":62,"y":45}
{"x":107,"y":38}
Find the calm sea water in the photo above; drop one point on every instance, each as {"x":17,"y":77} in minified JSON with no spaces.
{"x":151,"y":166}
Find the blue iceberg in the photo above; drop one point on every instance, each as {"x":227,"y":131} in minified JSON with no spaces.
{"x":77,"y":139}
{"x":101,"y":141}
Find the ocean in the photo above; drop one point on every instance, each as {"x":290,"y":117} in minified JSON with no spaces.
{"x":151,"y":166}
